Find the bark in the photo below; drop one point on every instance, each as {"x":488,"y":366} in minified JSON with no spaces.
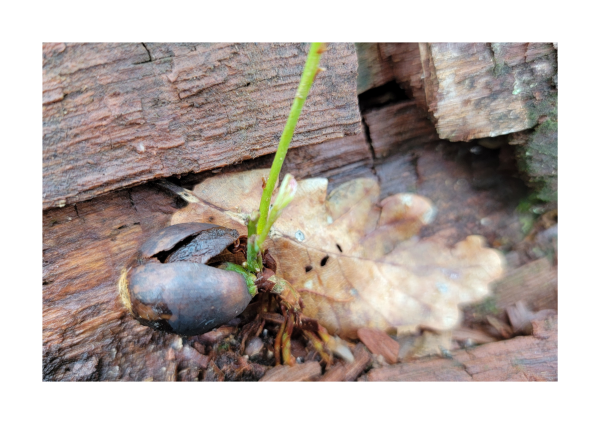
{"x":530,"y":358}
{"x":374,"y":70}
{"x":87,"y":334}
{"x":117,"y":115}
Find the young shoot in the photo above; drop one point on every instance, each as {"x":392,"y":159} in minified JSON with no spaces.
{"x":260,"y":224}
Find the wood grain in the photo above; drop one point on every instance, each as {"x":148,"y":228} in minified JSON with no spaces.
{"x":116,"y":115}
{"x":530,"y":358}
{"x":477,"y":90}
{"x":87,"y":334}
{"x":472,"y":90}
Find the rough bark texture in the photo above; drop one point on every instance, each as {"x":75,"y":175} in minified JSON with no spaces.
{"x":409,"y":157}
{"x":405,"y":60}
{"x":116,"y":115}
{"x":87,"y":334}
{"x":374,"y":70}
{"x":478,"y":90}
{"x":531,"y":358}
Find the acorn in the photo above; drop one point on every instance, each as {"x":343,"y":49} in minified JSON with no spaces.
{"x":170,"y":285}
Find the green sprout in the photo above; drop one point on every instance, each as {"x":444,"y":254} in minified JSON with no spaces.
{"x":260,"y":223}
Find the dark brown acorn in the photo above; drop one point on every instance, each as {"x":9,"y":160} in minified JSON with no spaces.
{"x":170,"y":287}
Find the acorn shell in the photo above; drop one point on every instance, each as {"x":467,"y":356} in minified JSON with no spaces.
{"x":172,"y":290}
{"x":204,"y":241}
{"x":185,"y":298}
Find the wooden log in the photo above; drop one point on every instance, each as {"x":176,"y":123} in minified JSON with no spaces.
{"x":87,"y":334}
{"x":530,"y":358}
{"x":117,"y":115}
{"x":373,"y":69}
{"x":405,"y":61}
{"x":477,"y":90}
{"x":393,"y":126}
{"x":410,"y":157}
{"x":474,"y":90}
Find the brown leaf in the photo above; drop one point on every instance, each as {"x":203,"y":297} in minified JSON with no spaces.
{"x":356,"y":262}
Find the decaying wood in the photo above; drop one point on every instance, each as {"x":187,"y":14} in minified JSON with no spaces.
{"x":410,"y":157}
{"x":474,"y":90}
{"x":379,"y":343}
{"x":528,"y":358}
{"x":87,"y":334}
{"x":351,"y":371}
{"x":116,"y":115}
{"x":477,"y":90}
{"x":535,"y":283}
{"x":302,"y":372}
{"x":392,"y":126}
{"x":405,"y":61}
{"x":374,"y":70}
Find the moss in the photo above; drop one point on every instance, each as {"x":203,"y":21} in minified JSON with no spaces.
{"x":223,"y":347}
{"x":487,"y":307}
{"x":527,"y":222}
{"x":546,"y":106}
{"x":537,"y":156}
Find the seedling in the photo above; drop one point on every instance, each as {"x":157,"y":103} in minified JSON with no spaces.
{"x":173,"y":289}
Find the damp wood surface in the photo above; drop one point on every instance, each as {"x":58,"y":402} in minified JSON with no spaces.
{"x":87,"y":334}
{"x":470,"y":90}
{"x":524,"y":358}
{"x":117,"y":115}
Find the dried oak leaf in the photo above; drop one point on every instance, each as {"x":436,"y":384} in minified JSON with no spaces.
{"x":357,"y":262}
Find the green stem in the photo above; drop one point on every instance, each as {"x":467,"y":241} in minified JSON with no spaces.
{"x":308,"y":75}
{"x":249,"y":277}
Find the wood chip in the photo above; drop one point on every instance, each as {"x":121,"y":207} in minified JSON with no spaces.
{"x":502,"y":328}
{"x":520,"y":317}
{"x":476,"y":336}
{"x":302,"y":372}
{"x":335,"y":373}
{"x":213,"y":373}
{"x":216,"y":335}
{"x":526,"y":358}
{"x":349,"y":372}
{"x":379,"y":343}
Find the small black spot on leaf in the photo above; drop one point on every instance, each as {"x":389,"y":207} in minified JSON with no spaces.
{"x":339,"y":247}
{"x":324,"y":260}
{"x":308,"y":268}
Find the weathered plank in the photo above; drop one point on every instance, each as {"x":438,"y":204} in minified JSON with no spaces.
{"x":373,"y":69}
{"x":471,"y":90}
{"x":116,"y":115}
{"x":87,"y":334}
{"x":405,"y":61}
{"x":392,"y":126}
{"x":473,"y":187}
{"x":477,"y":90}
{"x":531,"y":358}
